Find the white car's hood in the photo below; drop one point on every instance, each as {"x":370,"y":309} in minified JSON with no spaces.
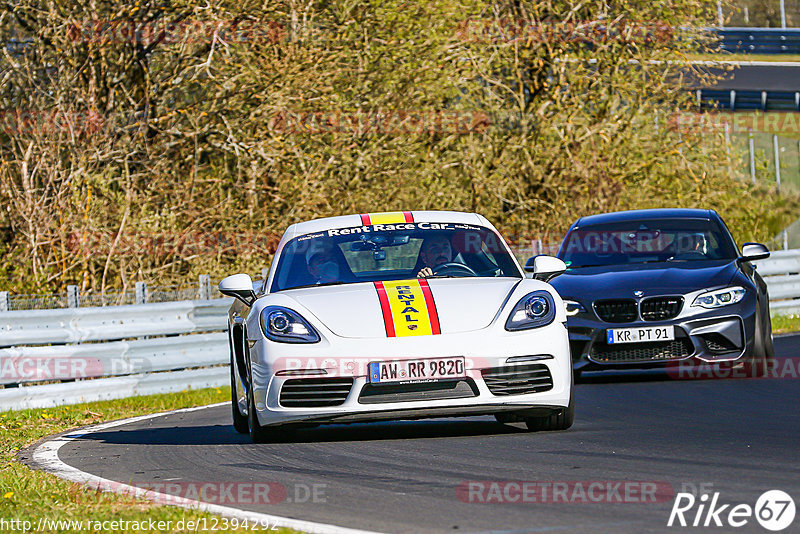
{"x":355,"y":311}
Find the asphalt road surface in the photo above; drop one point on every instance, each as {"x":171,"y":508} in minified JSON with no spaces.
{"x":737,"y":437}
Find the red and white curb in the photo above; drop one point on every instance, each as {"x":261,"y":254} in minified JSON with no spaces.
{"x":45,"y":456}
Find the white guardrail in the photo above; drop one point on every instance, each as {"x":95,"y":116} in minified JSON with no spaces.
{"x":781,"y":272}
{"x":72,"y":355}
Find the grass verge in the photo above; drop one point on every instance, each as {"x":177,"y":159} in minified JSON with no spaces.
{"x":29,"y":495}
{"x":746,"y":58}
{"x":785,"y":324}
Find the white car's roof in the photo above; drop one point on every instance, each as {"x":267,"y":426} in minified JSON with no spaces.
{"x":348,"y":221}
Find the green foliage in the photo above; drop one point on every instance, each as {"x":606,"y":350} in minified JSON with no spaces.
{"x":191,"y":154}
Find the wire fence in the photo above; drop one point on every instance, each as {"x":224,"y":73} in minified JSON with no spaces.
{"x":759,"y":14}
{"x":206,"y":289}
{"x":142,"y":294}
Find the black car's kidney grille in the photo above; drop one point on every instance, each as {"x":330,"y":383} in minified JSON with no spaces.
{"x":656,"y":351}
{"x":660,"y":308}
{"x":616,"y":311}
{"x":518,"y":379}
{"x":315,"y":392}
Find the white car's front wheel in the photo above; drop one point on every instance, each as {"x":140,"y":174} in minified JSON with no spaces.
{"x":239,"y":420}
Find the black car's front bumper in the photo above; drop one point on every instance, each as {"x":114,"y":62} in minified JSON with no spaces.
{"x":720,"y":335}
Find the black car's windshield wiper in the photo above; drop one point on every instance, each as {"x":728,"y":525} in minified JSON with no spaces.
{"x":593,"y":265}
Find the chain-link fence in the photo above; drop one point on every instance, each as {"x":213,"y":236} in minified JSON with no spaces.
{"x":760,"y":13}
{"x":204,"y":289}
{"x":769,"y":159}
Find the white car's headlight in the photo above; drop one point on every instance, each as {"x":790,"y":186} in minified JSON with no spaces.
{"x":286,"y":326}
{"x":573,"y":307}
{"x":720,"y":297}
{"x":532,"y":311}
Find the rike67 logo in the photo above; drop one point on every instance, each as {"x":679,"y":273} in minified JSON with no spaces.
{"x":774,"y":510}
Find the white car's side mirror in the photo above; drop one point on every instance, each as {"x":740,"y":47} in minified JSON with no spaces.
{"x":754,"y":251}
{"x":545,"y":267}
{"x":239,"y":286}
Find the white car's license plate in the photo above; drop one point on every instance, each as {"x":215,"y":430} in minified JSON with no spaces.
{"x":416,"y":370}
{"x":641,"y":334}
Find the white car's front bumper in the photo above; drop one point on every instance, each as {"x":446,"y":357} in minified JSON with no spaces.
{"x":348,"y":358}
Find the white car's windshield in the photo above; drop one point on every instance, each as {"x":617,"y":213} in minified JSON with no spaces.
{"x":392,"y":252}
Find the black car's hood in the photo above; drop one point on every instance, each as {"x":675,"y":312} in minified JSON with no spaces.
{"x":614,"y":281}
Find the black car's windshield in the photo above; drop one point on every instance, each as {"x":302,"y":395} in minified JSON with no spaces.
{"x":392,"y":252}
{"x":646,"y":241}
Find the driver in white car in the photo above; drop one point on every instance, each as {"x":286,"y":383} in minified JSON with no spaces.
{"x":435,"y":251}
{"x":322,"y":264}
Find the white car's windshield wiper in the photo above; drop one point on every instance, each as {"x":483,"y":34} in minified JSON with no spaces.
{"x":318,"y":285}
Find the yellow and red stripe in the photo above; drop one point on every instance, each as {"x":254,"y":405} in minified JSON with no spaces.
{"x":387,"y":217}
{"x":408,"y":308}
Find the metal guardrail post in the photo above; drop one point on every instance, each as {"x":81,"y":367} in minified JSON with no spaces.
{"x":777,"y":162}
{"x":751,"y":144}
{"x":733,"y":100}
{"x":141,"y":292}
{"x":73,"y":297}
{"x":783,"y":14}
{"x":205,"y":287}
{"x":5,"y":301}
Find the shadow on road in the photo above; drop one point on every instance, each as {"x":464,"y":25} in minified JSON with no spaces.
{"x":390,"y":430}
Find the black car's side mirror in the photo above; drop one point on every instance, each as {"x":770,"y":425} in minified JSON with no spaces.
{"x":754,"y":252}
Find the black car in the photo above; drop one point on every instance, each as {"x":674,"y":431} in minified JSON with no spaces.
{"x":649,"y":288}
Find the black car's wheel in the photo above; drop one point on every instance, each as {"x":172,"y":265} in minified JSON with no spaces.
{"x":763,"y":352}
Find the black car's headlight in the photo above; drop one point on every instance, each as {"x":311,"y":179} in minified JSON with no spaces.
{"x":286,"y":326}
{"x":532,"y":311}
{"x":720,"y":297}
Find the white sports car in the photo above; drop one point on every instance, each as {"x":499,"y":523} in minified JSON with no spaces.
{"x":397,"y":315}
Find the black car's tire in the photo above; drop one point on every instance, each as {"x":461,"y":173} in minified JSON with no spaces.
{"x":560,"y":420}
{"x":239,"y":420}
{"x":763,"y":352}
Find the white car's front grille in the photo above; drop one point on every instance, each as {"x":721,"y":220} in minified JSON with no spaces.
{"x":518,"y":379}
{"x":445,"y":389}
{"x":315,"y":392}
